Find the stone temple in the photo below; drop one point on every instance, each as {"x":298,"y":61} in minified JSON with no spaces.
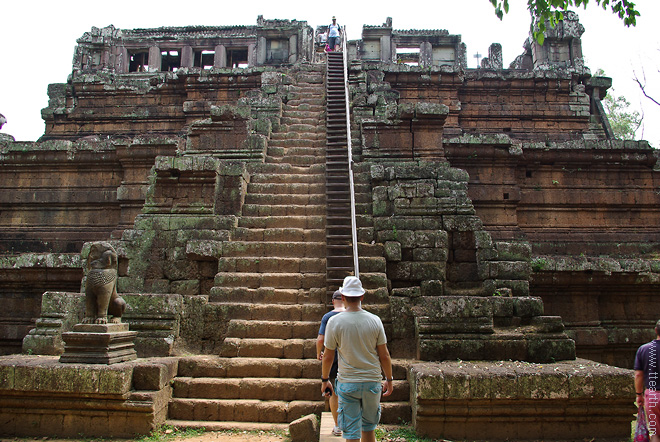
{"x":509,"y":243}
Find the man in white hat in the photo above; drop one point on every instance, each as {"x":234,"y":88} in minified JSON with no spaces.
{"x":359,"y":338}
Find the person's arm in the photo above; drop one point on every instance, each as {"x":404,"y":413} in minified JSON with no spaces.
{"x":639,"y":387}
{"x":328,"y":358}
{"x":386,"y":364}
{"x":319,"y":347}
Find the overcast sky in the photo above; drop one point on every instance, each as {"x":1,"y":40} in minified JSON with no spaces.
{"x":38,"y":39}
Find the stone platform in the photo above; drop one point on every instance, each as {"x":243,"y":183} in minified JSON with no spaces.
{"x":509,"y":400}
{"x":41,"y":397}
{"x":99,"y":344}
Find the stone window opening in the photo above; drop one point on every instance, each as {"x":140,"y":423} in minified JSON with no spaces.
{"x":170,"y":60}
{"x":237,"y":57}
{"x":138,"y":61}
{"x":444,"y":56}
{"x":409,"y":56}
{"x":371,"y":49}
{"x":204,"y":59}
{"x":277,"y":51}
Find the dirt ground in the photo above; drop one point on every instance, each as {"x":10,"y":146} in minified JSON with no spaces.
{"x":213,"y":436}
{"x":209,"y":436}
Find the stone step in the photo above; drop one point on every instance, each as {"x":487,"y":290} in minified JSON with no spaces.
{"x":314,"y":153}
{"x":230,"y":426}
{"x":277,"y":136}
{"x":268,"y":295}
{"x":283,"y":210}
{"x":315,"y":88}
{"x":318,"y":102}
{"x":269,"y":348}
{"x":312,"y":75}
{"x":242,"y":410}
{"x":294,"y":112}
{"x":317,"y":144}
{"x":287,"y":178}
{"x":269,"y":265}
{"x":265,"y":222}
{"x":274,"y":249}
{"x":207,"y":366}
{"x":278,"y":234}
{"x":302,"y":128}
{"x":285,"y":169}
{"x":271,"y":199}
{"x":286,"y":188}
{"x":279,"y":280}
{"x":265,"y":388}
{"x":299,"y":160}
{"x":254,"y":329}
{"x":371,"y":249}
{"x":291,"y":312}
{"x":304,"y":106}
{"x":372,"y":264}
{"x":253,"y":410}
{"x":273,"y":295}
{"x":303,"y":118}
{"x":275,"y":312}
{"x":305,"y":94}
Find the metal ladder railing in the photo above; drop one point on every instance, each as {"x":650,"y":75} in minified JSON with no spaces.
{"x":341,"y":228}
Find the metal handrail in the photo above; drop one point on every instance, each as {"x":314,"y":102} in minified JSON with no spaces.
{"x":350,"y":153}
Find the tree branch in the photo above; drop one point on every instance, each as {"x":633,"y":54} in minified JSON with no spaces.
{"x":644,"y":91}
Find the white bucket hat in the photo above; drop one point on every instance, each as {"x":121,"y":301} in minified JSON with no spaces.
{"x":352,"y":287}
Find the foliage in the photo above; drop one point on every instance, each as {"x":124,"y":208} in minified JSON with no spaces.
{"x":401,"y":433}
{"x":624,"y":122}
{"x":168,"y":432}
{"x":539,"y":264}
{"x":552,"y":11}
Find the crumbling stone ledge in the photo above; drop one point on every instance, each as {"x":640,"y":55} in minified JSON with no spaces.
{"x":41,"y":397}
{"x":512,"y":400}
{"x":645,"y":268}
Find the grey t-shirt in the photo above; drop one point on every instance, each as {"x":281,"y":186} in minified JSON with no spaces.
{"x":648,"y":360}
{"x":355,"y":335}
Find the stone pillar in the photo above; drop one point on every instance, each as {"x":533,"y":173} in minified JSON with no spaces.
{"x":105,"y":60}
{"x":385,"y":49}
{"x":122,"y":61}
{"x":261,"y":51}
{"x":220,"y":58}
{"x":495,"y":56}
{"x":462,"y":55}
{"x":425,"y":54}
{"x":252,"y":54}
{"x":187,"y":57}
{"x":293,"y":48}
{"x":155,"y":59}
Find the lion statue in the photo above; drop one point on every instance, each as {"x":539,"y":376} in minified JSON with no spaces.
{"x":101,"y":298}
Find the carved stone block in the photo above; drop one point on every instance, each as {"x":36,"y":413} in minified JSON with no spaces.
{"x":99,"y":344}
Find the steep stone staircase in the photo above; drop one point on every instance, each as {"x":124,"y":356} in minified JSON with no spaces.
{"x":272,"y":285}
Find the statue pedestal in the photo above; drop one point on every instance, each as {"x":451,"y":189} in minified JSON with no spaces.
{"x":99,"y":344}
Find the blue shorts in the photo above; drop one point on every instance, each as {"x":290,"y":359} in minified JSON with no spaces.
{"x":332,"y":42}
{"x":359,"y":407}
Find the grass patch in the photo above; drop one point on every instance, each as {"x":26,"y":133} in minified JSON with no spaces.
{"x":169,"y":432}
{"x":403,"y":433}
{"x":283,"y":434}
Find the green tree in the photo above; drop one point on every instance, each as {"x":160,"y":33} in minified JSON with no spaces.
{"x":624,"y":121}
{"x":552,"y":11}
